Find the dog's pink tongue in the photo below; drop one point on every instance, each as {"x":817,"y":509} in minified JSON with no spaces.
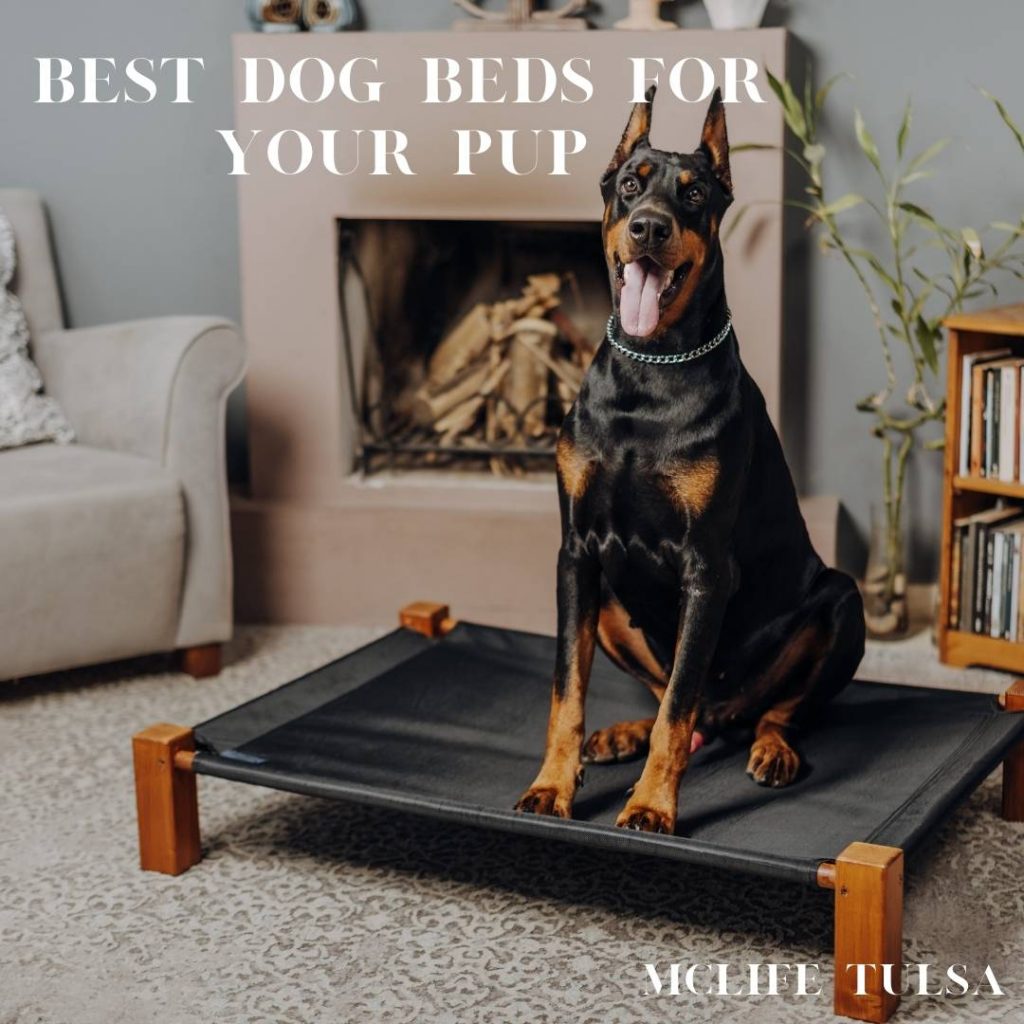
{"x":638,"y":303}
{"x":696,"y":741}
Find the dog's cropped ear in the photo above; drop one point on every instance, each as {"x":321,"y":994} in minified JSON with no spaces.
{"x":714,"y":142}
{"x":637,"y":129}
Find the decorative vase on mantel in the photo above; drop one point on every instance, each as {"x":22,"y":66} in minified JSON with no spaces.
{"x":644,"y":17}
{"x":276,"y":15}
{"x":735,"y":13}
{"x":885,"y":580}
{"x":328,"y":15}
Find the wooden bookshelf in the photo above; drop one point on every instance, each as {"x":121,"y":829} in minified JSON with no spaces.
{"x":969,"y":333}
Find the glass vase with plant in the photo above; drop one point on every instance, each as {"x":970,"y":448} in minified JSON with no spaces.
{"x":923,"y":272}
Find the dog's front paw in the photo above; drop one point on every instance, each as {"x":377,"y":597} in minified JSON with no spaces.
{"x":619,"y":742}
{"x":647,"y":819}
{"x":773,"y":762}
{"x":545,"y":800}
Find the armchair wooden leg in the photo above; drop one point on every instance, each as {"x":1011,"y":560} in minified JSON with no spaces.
{"x":166,"y":801}
{"x":201,"y":662}
{"x":1013,"y":766}
{"x":868,"y":884}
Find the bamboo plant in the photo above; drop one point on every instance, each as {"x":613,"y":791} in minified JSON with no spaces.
{"x":907,"y":295}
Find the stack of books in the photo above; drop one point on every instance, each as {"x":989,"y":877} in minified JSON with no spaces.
{"x":990,"y":420}
{"x":985,"y":596}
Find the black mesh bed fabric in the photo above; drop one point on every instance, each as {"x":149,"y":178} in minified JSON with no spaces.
{"x":454,"y":728}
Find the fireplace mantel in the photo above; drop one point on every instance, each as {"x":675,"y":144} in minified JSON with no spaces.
{"x":296,"y":532}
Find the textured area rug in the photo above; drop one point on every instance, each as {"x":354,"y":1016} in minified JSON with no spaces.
{"x":306,"y":911}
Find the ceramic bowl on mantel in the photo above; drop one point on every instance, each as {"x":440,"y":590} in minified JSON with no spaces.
{"x":276,"y":15}
{"x":735,"y":13}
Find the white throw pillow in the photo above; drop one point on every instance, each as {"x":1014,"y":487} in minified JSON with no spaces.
{"x":26,"y":415}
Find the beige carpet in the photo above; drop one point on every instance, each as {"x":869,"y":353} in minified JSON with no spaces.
{"x":307,"y":911}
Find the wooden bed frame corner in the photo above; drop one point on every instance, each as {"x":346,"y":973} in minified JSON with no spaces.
{"x":867,"y":879}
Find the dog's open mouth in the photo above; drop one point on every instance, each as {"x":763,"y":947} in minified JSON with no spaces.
{"x":645,"y":289}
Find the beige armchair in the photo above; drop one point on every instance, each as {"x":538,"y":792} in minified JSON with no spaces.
{"x":117,"y":545}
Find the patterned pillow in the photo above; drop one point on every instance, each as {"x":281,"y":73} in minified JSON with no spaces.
{"x":26,"y":415}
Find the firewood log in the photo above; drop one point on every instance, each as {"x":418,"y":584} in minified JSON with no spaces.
{"x":430,"y":406}
{"x":460,"y":419}
{"x":568,"y":373}
{"x":461,"y":346}
{"x":527,"y":380}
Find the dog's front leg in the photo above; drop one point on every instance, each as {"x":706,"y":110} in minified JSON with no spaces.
{"x":707,"y":586}
{"x":553,"y":790}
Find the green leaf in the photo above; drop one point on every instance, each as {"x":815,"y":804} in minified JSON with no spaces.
{"x":973,"y":242}
{"x":926,"y":340}
{"x":1005,"y":115}
{"x":909,"y":179}
{"x":904,"y":132}
{"x":814,"y":154}
{"x":928,"y":154}
{"x":919,"y":213}
{"x":867,"y":143}
{"x":743,"y":147}
{"x":875,"y":264}
{"x":791,"y":109}
{"x":847,"y":202}
{"x":935,"y":445}
{"x":872,"y":402}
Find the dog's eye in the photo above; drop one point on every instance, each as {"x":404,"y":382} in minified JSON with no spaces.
{"x":695,"y":195}
{"x":630,"y":186}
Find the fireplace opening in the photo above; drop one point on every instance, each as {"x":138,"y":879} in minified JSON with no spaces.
{"x":465,"y":341}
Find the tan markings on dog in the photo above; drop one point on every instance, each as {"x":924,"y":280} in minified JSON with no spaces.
{"x":574,"y":468}
{"x":560,"y":773}
{"x":618,"y":742}
{"x":692,"y":248}
{"x":628,"y":648}
{"x":692,"y":485}
{"x":686,"y":177}
{"x":565,"y":721}
{"x":614,"y":234}
{"x":652,"y":805}
{"x":807,"y":647}
{"x":644,"y":170}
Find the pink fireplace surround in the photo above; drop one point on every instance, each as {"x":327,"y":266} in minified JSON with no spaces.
{"x":314,"y":542}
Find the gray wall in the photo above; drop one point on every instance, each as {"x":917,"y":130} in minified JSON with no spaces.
{"x":145,"y":221}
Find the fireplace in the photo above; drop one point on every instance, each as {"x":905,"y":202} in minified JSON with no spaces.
{"x":465,"y":342}
{"x":343,"y":520}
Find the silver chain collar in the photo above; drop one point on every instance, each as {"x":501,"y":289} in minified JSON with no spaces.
{"x":678,"y":357}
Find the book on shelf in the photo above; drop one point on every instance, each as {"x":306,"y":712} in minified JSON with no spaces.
{"x":986,"y":574}
{"x":977,"y":418}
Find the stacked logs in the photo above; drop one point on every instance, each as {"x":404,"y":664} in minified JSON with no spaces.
{"x":494,"y":378}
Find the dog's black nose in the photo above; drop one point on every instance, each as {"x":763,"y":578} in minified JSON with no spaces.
{"x":650,"y":227}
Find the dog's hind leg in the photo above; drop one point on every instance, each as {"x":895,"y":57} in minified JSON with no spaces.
{"x":627,"y":647}
{"x":815,"y":664}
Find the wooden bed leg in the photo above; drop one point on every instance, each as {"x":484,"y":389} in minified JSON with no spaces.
{"x":165,"y":797}
{"x":202,"y":661}
{"x":1013,"y":766}
{"x":428,"y":618}
{"x":868,"y":883}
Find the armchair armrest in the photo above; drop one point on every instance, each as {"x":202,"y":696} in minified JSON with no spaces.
{"x":158,"y":388}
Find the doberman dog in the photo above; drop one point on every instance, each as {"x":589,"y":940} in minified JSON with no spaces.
{"x":684,"y":553}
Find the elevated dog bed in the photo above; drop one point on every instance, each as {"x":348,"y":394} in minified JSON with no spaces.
{"x":449,"y":721}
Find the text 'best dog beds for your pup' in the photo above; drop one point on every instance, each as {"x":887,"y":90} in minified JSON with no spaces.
{"x":444,"y":718}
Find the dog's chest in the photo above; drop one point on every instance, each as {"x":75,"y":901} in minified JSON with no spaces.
{"x":629,"y":517}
